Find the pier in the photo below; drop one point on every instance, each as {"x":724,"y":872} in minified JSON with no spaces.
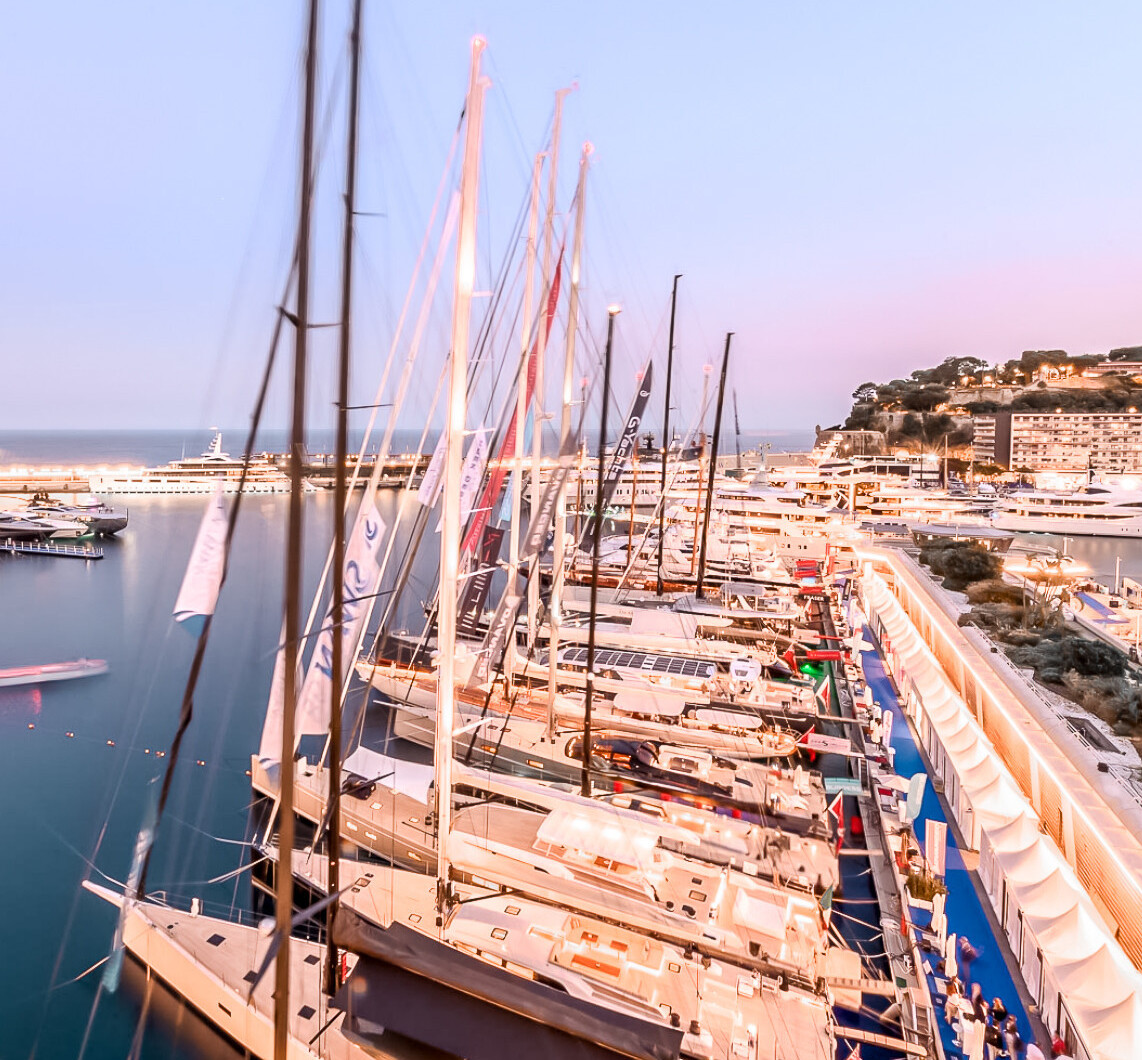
{"x":47,"y":548}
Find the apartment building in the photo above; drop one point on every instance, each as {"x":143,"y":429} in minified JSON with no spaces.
{"x":1060,"y":441}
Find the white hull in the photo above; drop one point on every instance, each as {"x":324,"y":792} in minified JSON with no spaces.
{"x":1079,"y":527}
{"x":146,"y":484}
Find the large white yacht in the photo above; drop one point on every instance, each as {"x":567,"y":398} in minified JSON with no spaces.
{"x":200,"y":474}
{"x":1097,"y":509}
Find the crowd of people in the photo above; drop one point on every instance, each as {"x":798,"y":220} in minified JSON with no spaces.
{"x":985,"y":1029}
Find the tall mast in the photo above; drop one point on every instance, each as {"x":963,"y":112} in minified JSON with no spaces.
{"x":703,"y":454}
{"x":539,"y":401}
{"x":521,"y":401}
{"x":284,"y":898}
{"x":737,"y":430}
{"x":450,"y":515}
{"x":713,"y":465}
{"x":333,"y":840}
{"x":596,"y":536}
{"x":666,"y":429}
{"x":555,"y":611}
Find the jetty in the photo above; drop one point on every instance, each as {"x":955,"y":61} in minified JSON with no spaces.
{"x":48,"y":548}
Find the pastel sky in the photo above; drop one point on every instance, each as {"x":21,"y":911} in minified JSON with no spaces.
{"x":855,"y":190}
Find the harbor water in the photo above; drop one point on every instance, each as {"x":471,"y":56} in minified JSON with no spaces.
{"x":78,"y":759}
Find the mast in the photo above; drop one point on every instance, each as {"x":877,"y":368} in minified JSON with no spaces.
{"x":666,"y":428}
{"x":540,"y":398}
{"x":450,"y":514}
{"x":737,"y":430}
{"x":706,"y":370}
{"x":333,"y":815}
{"x":713,"y":466}
{"x":284,"y":897}
{"x":596,"y":535}
{"x":555,"y":611}
{"x":521,"y":404}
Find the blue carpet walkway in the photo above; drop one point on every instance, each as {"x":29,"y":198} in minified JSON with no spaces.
{"x":966,"y":916}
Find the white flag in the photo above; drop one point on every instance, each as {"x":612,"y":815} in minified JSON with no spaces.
{"x":199,"y":593}
{"x":430,"y":484}
{"x":362,"y":579}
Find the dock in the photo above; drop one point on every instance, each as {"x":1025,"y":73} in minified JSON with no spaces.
{"x":47,"y":548}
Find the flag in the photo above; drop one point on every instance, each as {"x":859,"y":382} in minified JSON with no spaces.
{"x":198,"y":594}
{"x":915,"y":797}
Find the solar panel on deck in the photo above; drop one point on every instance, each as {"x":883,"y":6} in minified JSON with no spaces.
{"x":612,"y":658}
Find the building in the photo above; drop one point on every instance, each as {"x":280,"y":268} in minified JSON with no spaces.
{"x":1127,"y":368}
{"x":1060,"y":441}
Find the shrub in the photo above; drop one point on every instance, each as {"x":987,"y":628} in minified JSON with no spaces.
{"x":995,"y":591}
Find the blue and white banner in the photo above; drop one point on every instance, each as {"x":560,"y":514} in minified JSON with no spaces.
{"x":362,"y":579}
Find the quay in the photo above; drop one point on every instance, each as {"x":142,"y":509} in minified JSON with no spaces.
{"x":1050,"y":816}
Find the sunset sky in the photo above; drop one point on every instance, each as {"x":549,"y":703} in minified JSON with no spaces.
{"x":854,"y":190}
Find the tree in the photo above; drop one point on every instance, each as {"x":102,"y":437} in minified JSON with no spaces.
{"x":924,"y":400}
{"x":865,"y":393}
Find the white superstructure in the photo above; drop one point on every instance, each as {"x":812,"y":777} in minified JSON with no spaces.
{"x":196,"y":475}
{"x":1098,"y":510}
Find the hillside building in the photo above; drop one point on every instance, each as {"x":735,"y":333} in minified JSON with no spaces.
{"x":1060,"y":441}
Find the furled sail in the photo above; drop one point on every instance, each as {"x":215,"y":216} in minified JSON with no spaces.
{"x":200,"y":585}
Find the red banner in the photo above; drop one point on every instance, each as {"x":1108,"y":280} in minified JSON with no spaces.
{"x":483,"y":510}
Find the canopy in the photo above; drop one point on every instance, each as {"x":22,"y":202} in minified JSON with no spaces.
{"x":1047,"y":900}
{"x":616,"y":839}
{"x":1099,"y":978}
{"x":651,"y":622}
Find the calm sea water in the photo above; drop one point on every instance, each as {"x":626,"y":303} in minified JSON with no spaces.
{"x":76,"y":758}
{"x":150,"y":448}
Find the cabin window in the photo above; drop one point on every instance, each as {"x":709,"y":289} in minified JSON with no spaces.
{"x":414,"y":918}
{"x":500,"y":933}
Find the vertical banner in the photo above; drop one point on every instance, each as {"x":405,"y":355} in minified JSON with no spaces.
{"x":430,"y":483}
{"x":476,"y":588}
{"x":623,"y":450}
{"x":507,"y":446}
{"x":362,"y":576}
{"x":936,"y":846}
{"x":886,"y":732}
{"x":198,"y":594}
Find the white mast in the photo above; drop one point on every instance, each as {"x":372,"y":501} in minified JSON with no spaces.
{"x":540,"y":398}
{"x":521,"y":405}
{"x":450,"y":516}
{"x":555,"y":612}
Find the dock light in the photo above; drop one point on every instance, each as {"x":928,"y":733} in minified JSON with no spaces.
{"x":31,"y":725}
{"x":110,"y":743}
{"x":69,"y":735}
{"x":200,"y":762}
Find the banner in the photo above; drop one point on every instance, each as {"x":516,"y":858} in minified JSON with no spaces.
{"x":817,"y":741}
{"x":542,"y":517}
{"x":475,"y":594}
{"x":502,"y":626}
{"x":471,"y":474}
{"x":431,"y":482}
{"x":936,"y":846}
{"x":886,"y":720}
{"x":362,"y":577}
{"x":623,"y":450}
{"x":506,"y":454}
{"x":198,"y":594}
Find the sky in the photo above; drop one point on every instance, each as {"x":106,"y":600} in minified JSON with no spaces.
{"x":855,"y":191}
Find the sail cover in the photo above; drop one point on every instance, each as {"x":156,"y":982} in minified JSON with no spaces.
{"x":404,"y":981}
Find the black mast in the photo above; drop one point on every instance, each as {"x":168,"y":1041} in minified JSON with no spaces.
{"x":737,"y":430}
{"x":713,"y":467}
{"x":596,"y":535}
{"x":284,"y":898}
{"x":333,"y":810}
{"x":666,"y":428}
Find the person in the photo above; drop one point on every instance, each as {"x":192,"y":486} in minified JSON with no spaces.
{"x":978,"y":1004}
{"x":993,"y":1040}
{"x":967,"y":954}
{"x":1034,"y":1052}
{"x":1014,"y":1041}
{"x":952,"y":1004}
{"x":998,"y":1010}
